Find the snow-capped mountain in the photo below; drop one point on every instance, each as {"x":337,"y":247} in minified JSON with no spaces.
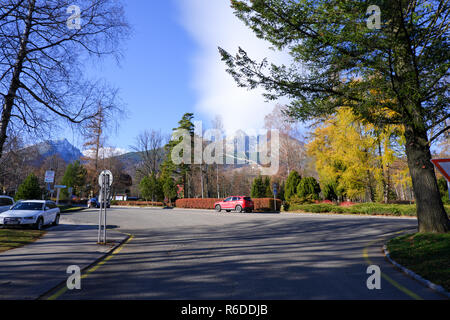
{"x":62,"y":148}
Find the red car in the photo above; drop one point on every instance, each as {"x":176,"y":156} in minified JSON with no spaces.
{"x":235,"y":203}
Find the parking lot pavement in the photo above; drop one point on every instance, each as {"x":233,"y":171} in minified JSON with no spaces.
{"x":32,"y":270}
{"x":180,"y":254}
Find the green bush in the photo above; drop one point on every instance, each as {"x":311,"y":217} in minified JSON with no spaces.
{"x":258,"y":188}
{"x":317,"y":208}
{"x":29,"y":189}
{"x":308,"y":188}
{"x":291,"y":185}
{"x":363,"y":208}
{"x":329,"y":191}
{"x":296,"y":200}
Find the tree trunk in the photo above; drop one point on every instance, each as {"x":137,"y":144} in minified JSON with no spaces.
{"x":383,"y":178}
{"x":431,"y":214}
{"x":217,"y":181}
{"x":15,"y":80}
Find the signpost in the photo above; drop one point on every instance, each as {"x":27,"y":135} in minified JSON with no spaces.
{"x":443,"y":165}
{"x":49,"y":176}
{"x":49,"y":179}
{"x":105,"y":181}
{"x":58,"y":190}
{"x":275,"y":192}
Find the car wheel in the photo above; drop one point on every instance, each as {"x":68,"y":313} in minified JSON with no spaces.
{"x":218,"y":208}
{"x":56,"y":222}
{"x":238,"y":209}
{"x":39,"y":224}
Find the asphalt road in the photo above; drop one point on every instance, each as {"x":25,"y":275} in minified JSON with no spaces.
{"x":193,"y":254}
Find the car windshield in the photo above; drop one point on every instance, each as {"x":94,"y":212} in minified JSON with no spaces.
{"x":28,"y":206}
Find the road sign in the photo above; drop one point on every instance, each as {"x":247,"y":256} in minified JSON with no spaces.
{"x":49,"y":176}
{"x":443,"y":165}
{"x":60,"y":187}
{"x":105,"y":174}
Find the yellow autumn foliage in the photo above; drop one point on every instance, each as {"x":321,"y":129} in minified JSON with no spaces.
{"x":347,"y":152}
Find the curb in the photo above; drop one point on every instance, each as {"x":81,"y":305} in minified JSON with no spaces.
{"x":49,"y":293}
{"x":415,"y":276}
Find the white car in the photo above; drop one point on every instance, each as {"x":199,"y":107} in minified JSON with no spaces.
{"x":33,"y":213}
{"x":6,"y":203}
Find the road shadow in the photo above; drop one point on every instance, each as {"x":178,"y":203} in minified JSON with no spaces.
{"x":272,"y":259}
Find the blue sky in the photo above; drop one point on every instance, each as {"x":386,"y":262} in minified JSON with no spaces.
{"x":171,"y":66}
{"x":153,"y":73}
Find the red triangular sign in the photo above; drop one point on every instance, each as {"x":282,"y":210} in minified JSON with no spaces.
{"x":443,"y":165}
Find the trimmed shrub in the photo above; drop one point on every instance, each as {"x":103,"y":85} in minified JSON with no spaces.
{"x":136,"y":203}
{"x":324,"y":201}
{"x":308,"y":188}
{"x":329,"y":191}
{"x":317,"y":208}
{"x":261,"y":204}
{"x":362,"y":208}
{"x":291,"y":185}
{"x":347,"y":204}
{"x":304,"y":200}
{"x":194,"y":203}
{"x":258,"y":188}
{"x":267,"y":204}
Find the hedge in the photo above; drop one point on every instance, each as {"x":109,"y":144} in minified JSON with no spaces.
{"x":261,"y":204}
{"x":205,"y":203}
{"x":136,"y":203}
{"x":266,"y":204}
{"x":363,"y":208}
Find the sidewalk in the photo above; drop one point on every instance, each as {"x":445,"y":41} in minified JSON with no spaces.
{"x":32,"y":270}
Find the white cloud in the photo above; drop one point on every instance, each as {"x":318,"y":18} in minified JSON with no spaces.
{"x":212,"y":23}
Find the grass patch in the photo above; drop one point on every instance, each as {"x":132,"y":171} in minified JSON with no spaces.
{"x":15,"y":238}
{"x":427,"y":254}
{"x":69,"y":209}
{"x":408,"y":210}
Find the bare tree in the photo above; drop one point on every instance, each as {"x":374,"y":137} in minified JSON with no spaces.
{"x":95,"y":135}
{"x":41,"y":58}
{"x":292,"y":152}
{"x":149,"y":145}
{"x":217,"y":124}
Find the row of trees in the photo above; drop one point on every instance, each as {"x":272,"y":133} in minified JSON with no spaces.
{"x":75,"y":176}
{"x":394,"y":74}
{"x":261,"y":188}
{"x":359,"y":161}
{"x":162,"y":179}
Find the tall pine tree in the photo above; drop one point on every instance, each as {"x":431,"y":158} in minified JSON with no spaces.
{"x":395,"y":72}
